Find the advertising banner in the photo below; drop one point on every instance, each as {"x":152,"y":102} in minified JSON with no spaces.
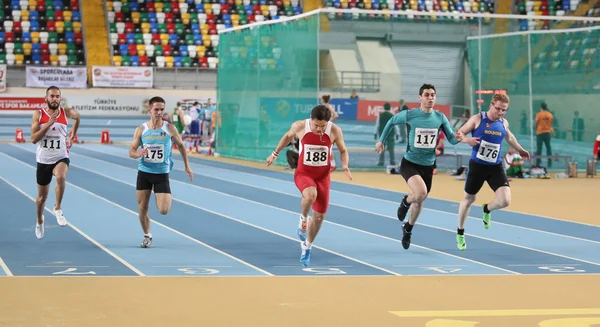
{"x":290,"y":109}
{"x":130,"y":77}
{"x":21,"y":103}
{"x":2,"y":78}
{"x":114,"y":105}
{"x":62,"y":77}
{"x":368,"y":110}
{"x":345,"y":108}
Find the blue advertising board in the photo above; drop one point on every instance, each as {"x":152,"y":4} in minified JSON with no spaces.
{"x":345,"y":108}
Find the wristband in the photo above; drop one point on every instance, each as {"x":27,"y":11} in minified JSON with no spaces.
{"x":275,"y":154}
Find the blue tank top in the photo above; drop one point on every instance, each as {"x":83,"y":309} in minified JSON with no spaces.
{"x":491,"y":134}
{"x":158,"y":160}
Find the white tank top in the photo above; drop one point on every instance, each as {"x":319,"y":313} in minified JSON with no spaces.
{"x":53,"y":146}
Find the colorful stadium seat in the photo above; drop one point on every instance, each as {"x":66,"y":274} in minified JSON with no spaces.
{"x":546,"y":8}
{"x":484,"y":6}
{"x":41,"y":33}
{"x":182,"y":33}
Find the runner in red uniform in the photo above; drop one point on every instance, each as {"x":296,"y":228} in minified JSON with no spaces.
{"x":317,"y":136}
{"x":49,"y":131}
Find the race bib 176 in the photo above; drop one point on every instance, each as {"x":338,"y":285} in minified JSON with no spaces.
{"x":488,"y":151}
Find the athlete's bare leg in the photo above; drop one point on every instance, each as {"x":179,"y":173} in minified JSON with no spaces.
{"x":40,"y":201}
{"x":464,"y":208}
{"x":143,"y":197}
{"x":60,"y":173}
{"x":501,"y":200}
{"x":163,"y":202}
{"x":416,"y":197}
{"x":309,"y":196}
{"x":314,"y":225}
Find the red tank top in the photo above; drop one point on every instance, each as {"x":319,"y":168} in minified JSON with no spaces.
{"x":315,"y":152}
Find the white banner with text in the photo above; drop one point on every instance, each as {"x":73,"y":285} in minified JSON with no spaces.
{"x":130,"y":77}
{"x":62,"y":77}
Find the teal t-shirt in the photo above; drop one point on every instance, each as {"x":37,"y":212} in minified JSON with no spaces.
{"x":423,"y":129}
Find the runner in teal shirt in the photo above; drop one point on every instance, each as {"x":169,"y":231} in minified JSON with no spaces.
{"x":423,"y":125}
{"x":423,"y":128}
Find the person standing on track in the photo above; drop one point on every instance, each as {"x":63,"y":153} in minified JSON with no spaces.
{"x":49,"y":130}
{"x":156,"y":137}
{"x":424,"y":124}
{"x":488,"y":130}
{"x":317,"y":136}
{"x":334,"y":115}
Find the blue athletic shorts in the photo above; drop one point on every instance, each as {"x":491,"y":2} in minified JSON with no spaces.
{"x":195,"y":127}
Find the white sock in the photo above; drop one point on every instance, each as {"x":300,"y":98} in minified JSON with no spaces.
{"x":302,"y":219}
{"x":148,"y":235}
{"x":308,"y":244}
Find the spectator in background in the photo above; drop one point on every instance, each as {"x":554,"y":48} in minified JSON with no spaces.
{"x":178,"y":117}
{"x":195,"y":125}
{"x":214,"y":128}
{"x":597,"y":147}
{"x":380,"y":123}
{"x":524,"y":123}
{"x":354,"y":95}
{"x":578,"y":127}
{"x":292,"y":154}
{"x":401,"y":107}
{"x":513,"y":163}
{"x":166,"y":117}
{"x":544,"y":130}
{"x":206,"y":116}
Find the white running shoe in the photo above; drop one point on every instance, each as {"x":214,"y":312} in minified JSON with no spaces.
{"x":60,"y":218}
{"x":39,"y":229}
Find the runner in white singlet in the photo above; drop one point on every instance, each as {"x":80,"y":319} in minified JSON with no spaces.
{"x":49,"y":130}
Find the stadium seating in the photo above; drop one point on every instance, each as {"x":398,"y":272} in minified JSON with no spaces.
{"x":41,"y":32}
{"x":182,"y":33}
{"x":569,"y":53}
{"x":548,"y":8}
{"x":486,"y":6}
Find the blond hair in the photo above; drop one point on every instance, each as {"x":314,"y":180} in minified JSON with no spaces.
{"x":501,"y":97}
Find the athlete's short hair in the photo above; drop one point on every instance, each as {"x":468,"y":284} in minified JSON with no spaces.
{"x":326,"y":98}
{"x":155,"y":100}
{"x":501,"y":97}
{"x":425,"y":87}
{"x":52,"y":88}
{"x":320,"y":112}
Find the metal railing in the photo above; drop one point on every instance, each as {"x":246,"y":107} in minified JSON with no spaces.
{"x":347,"y":81}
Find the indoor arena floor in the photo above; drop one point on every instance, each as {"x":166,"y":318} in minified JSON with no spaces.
{"x":227,"y":253}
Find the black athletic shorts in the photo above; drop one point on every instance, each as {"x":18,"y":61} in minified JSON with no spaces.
{"x":478,"y":173}
{"x":44,"y":173}
{"x":157,"y":182}
{"x":409,"y":169}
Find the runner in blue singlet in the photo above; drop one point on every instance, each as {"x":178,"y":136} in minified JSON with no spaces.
{"x":488,"y":130}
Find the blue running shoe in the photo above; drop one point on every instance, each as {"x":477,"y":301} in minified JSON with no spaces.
{"x":305,"y":255}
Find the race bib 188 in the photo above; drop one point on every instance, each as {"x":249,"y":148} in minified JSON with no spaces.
{"x":155,"y":154}
{"x":425,"y":138}
{"x":315,"y":155}
{"x":488,"y":151}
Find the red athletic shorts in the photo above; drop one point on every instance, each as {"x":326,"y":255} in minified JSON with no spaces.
{"x":322,"y":185}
